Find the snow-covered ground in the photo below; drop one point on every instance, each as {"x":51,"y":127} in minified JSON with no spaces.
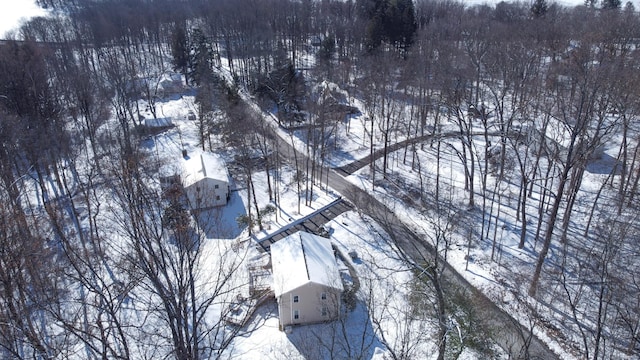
{"x":383,"y":308}
{"x":378,"y":313}
{"x":501,"y":269}
{"x":382,"y":313}
{"x":479,"y":269}
{"x":354,"y":334}
{"x":168,"y":147}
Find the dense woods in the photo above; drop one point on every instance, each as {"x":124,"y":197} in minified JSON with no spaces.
{"x":527,"y":95}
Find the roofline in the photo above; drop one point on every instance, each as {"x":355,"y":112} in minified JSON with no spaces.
{"x":310,"y":282}
{"x":298,"y":236}
{"x":304,"y":255}
{"x":204,"y":168}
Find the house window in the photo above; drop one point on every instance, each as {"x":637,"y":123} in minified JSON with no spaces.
{"x":217,"y":186}
{"x":325,"y":312}
{"x":323,"y":296}
{"x":217,"y":197}
{"x":296,"y":298}
{"x":296,"y":314}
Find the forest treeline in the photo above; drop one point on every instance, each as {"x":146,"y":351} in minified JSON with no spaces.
{"x":549,"y":87}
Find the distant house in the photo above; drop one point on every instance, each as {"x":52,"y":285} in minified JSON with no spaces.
{"x":206,"y":181}
{"x":307,"y":283}
{"x":170,"y":83}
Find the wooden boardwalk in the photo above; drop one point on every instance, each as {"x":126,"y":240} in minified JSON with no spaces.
{"x":311,"y":223}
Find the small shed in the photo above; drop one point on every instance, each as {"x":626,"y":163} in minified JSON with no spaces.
{"x":205,"y":179}
{"x":307,"y":283}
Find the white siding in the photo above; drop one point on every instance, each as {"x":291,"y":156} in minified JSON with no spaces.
{"x":310,"y":305}
{"x":206,"y":181}
{"x":305,"y":267}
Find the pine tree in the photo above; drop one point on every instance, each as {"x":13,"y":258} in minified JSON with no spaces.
{"x":375,"y":32}
{"x":201,"y":56}
{"x":400,"y":23}
{"x":611,"y":4}
{"x":327,"y":48}
{"x":180,"y":52}
{"x":539,"y":8}
{"x":389,"y":20}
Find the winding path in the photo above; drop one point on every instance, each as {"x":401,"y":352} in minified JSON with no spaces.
{"x":350,"y":168}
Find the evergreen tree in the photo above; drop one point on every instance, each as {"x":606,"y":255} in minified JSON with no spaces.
{"x":180,"y":52}
{"x":201,"y":56}
{"x":389,"y":20}
{"x":327,"y":48}
{"x":369,"y":8}
{"x":400,"y":23}
{"x":539,"y":8}
{"x":375,"y":32}
{"x":629,"y":8}
{"x":611,"y":4}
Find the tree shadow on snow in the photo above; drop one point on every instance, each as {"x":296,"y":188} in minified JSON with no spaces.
{"x":604,"y":165}
{"x":221,"y":222}
{"x":350,"y":337}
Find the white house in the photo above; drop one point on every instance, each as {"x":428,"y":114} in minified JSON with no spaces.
{"x":206,"y":181}
{"x":170,"y":83}
{"x":307,"y":282}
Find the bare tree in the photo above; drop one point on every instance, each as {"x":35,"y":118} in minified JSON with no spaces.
{"x":169,"y":251}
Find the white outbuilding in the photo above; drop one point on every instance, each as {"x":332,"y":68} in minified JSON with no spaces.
{"x":307,"y":282}
{"x":205,"y":179}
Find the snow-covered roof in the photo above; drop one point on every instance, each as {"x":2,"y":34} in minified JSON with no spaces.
{"x":303,"y":258}
{"x":158,"y":122}
{"x":204,"y":165}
